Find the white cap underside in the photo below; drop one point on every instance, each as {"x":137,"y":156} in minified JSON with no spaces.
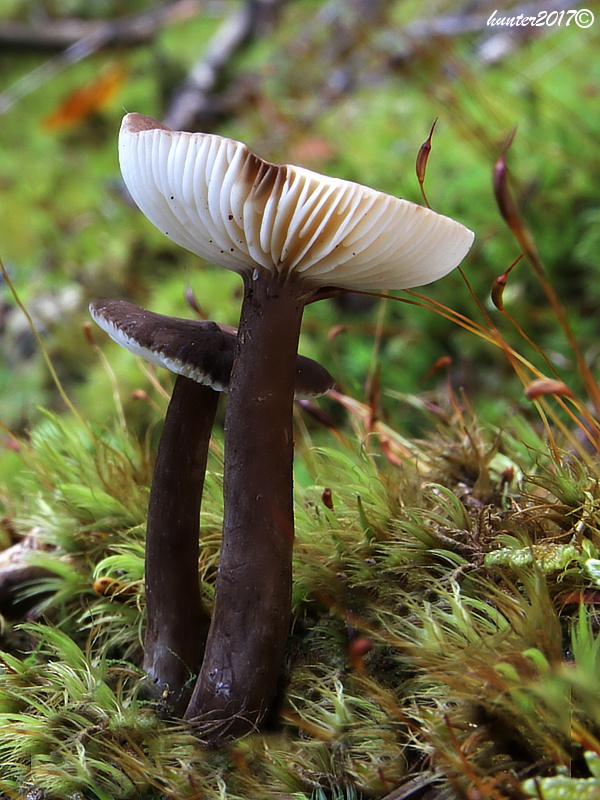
{"x":328,"y":231}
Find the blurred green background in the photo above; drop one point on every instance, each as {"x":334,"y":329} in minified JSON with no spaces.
{"x":345,"y":87}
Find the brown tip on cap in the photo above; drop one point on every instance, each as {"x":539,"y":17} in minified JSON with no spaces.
{"x":135,"y":123}
{"x":198,"y":349}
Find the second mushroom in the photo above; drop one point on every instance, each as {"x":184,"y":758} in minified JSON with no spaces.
{"x":292,"y":234}
{"x":200,"y":353}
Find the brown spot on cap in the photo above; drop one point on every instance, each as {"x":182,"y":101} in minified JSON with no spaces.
{"x":261,"y":177}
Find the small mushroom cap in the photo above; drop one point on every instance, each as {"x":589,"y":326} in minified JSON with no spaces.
{"x":216,"y":198}
{"x":198,"y":349}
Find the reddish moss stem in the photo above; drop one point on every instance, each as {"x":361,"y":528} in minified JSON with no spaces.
{"x":246,"y":643}
{"x":177,"y":622}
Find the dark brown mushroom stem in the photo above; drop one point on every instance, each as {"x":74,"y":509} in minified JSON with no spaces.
{"x":202,"y":354}
{"x":245,"y":648}
{"x":177,"y":621}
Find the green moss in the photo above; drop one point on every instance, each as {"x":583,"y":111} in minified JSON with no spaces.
{"x":446,"y":563}
{"x":412,"y":632}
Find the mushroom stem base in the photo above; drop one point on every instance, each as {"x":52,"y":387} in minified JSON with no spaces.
{"x":246,"y":642}
{"x":177,"y":622}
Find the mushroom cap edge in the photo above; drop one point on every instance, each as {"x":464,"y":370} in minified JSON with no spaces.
{"x":173,"y":343}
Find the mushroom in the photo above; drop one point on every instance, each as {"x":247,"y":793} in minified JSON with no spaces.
{"x":201,"y":354}
{"x":291,"y":234}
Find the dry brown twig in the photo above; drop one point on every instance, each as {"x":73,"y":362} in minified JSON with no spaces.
{"x":61,"y":34}
{"x":194,"y":100}
{"x":78,"y":39}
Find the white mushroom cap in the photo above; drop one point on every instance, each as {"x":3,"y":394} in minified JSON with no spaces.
{"x":216,"y":198}
{"x":198,"y":349}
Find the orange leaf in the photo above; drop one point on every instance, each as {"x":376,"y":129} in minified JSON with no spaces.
{"x":86,"y":100}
